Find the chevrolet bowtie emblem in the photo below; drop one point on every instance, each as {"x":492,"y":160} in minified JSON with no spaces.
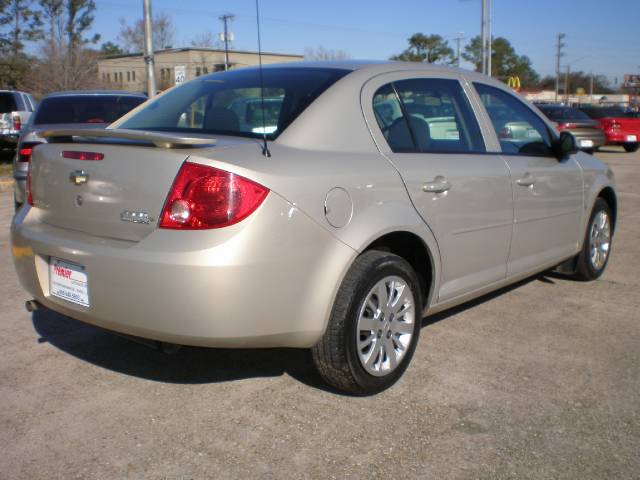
{"x":78,"y":177}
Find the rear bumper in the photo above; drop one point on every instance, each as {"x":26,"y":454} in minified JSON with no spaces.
{"x":20,"y":189}
{"x":620,"y":138}
{"x":596,"y":139}
{"x":268,"y":281}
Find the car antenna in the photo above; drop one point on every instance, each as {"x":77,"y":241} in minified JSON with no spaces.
{"x":265,"y":147}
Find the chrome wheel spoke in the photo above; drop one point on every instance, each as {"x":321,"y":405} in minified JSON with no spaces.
{"x":599,"y":240}
{"x":403,"y":328}
{"x":385,"y":325}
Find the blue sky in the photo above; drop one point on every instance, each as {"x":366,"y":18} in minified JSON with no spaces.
{"x":602,"y":37}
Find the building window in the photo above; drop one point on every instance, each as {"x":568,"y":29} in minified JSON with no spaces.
{"x":198,"y":71}
{"x":133,"y":75}
{"x":205,"y":70}
{"x":108,"y":78}
{"x":128,"y":76}
{"x":218,"y":67}
{"x":120,"y":77}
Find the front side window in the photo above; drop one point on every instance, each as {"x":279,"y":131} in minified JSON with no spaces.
{"x":433,"y":114}
{"x":519,"y":129}
{"x":230,"y":103}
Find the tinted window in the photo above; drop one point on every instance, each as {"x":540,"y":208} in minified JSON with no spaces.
{"x":604,"y":112}
{"x":440,"y":116}
{"x":563,"y":113}
{"x":391,"y":121}
{"x":230,"y":102}
{"x":7,"y":103}
{"x":85,"y":108}
{"x":518,"y":128}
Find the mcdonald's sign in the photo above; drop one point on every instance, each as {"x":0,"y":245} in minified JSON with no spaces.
{"x":514,"y":83}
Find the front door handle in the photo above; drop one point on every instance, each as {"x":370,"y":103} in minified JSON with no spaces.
{"x":526,"y":181}
{"x":439,"y":185}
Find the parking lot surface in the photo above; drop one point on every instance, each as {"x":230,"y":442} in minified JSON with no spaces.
{"x":540,"y":380}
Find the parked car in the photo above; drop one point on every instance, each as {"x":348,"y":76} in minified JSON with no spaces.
{"x":587,"y":131}
{"x":90,"y":109}
{"x":15,"y":111}
{"x":338,"y":231}
{"x":620,"y":127}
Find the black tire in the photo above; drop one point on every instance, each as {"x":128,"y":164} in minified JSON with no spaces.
{"x":585,"y":268}
{"x":630,"y":147}
{"x":336,"y":354}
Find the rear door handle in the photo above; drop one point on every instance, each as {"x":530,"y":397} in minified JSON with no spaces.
{"x":526,"y":181}
{"x":439,"y":185}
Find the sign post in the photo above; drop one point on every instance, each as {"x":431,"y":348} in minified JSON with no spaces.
{"x":180,"y":75}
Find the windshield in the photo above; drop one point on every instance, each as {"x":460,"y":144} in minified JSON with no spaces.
{"x":229,"y":103}
{"x":85,"y":108}
{"x":563,"y":113}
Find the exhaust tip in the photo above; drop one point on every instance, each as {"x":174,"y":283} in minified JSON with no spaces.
{"x":32,"y":305}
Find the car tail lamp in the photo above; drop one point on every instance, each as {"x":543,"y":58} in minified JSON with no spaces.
{"x":74,"y":155}
{"x":29,"y":186}
{"x":17,"y":122}
{"x":566,"y":126}
{"x":204,"y":197}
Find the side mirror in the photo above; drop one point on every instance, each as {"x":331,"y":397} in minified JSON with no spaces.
{"x":566,"y":145}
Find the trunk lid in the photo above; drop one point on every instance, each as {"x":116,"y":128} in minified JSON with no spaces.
{"x":121,"y":195}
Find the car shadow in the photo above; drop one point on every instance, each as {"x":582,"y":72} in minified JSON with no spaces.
{"x":196,"y":365}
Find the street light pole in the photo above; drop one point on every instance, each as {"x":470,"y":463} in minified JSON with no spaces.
{"x":148,"y":50}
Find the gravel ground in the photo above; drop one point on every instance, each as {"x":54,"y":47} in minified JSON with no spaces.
{"x":541,"y":380}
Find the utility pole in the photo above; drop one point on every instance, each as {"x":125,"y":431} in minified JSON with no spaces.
{"x":566,"y":84}
{"x":225,"y":19}
{"x":559,"y":55}
{"x":458,"y":39}
{"x":148,"y":50}
{"x":591,"y":87}
{"x":485,"y":37}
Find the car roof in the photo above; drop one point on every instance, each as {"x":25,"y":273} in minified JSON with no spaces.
{"x":374,"y":67}
{"x":76,"y":93}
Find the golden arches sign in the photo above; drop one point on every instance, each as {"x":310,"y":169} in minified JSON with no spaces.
{"x":513,"y":82}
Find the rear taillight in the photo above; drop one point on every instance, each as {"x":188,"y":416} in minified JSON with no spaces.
{"x":17,"y":123}
{"x":566,"y":126}
{"x":25,"y":150}
{"x":204,"y":197}
{"x":29,"y":186}
{"x":24,"y":154}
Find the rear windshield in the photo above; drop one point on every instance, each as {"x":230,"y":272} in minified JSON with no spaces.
{"x":85,"y":108}
{"x":603,"y":112}
{"x":7,"y":103}
{"x":229,"y":103}
{"x":563,"y":113}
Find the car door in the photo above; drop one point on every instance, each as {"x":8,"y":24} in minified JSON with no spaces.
{"x":426,"y":126}
{"x":547,"y":191}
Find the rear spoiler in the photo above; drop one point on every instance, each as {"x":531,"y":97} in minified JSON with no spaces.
{"x":159,"y":139}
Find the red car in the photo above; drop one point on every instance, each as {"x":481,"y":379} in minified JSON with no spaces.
{"x":620,"y":127}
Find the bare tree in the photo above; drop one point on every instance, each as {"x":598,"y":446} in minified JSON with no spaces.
{"x":66,"y":62}
{"x":18,"y":23}
{"x":131,"y":37}
{"x":321,"y":53}
{"x":206,"y":40}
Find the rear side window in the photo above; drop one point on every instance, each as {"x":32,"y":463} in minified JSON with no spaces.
{"x":85,"y":108}
{"x":7,"y":103}
{"x":230,"y":103}
{"x":564,"y":113}
{"x":433,"y":114}
{"x":519,"y":129}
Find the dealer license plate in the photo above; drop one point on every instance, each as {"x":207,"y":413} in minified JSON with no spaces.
{"x":632,"y":138}
{"x":68,"y":281}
